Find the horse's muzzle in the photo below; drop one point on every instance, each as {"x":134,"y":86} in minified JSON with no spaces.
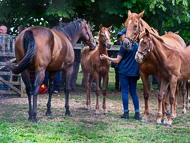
{"x":92,"y":46}
{"x":108,"y":46}
{"x":127,"y":45}
{"x":138,"y":59}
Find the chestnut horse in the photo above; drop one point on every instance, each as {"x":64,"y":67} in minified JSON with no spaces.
{"x":92,"y":64}
{"x":49,"y":50}
{"x":149,"y":66}
{"x":173,"y":66}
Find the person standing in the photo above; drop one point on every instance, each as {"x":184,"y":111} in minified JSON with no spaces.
{"x":75,"y":70}
{"x":3,"y":31}
{"x":128,"y":75}
{"x":119,"y":41}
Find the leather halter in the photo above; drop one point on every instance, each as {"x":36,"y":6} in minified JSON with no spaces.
{"x":86,"y":27}
{"x":104,"y":41}
{"x":133,"y":41}
{"x":147,"y":50}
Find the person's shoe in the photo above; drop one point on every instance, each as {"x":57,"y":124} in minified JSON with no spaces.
{"x":137,"y":116}
{"x":125,"y":115}
{"x":55,"y":91}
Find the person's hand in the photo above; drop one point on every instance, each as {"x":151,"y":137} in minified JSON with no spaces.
{"x":103,"y":56}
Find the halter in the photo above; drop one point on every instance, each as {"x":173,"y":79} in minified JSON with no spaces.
{"x":104,"y":41}
{"x":147,"y":50}
{"x":133,"y":41}
{"x":86,"y":27}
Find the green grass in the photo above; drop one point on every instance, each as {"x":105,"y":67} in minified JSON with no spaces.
{"x":14,"y":127}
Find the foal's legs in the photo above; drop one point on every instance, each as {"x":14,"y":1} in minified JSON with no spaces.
{"x":184,"y":90}
{"x":144,"y":78}
{"x":163,"y":87}
{"x":69,"y":71}
{"x":105,"y":80}
{"x":40,"y":74}
{"x":87,"y":87}
{"x":97,"y":78}
{"x":51,"y":86}
{"x":90,"y":85}
{"x":173,"y":84}
{"x":165,"y":106}
{"x":26,"y":79}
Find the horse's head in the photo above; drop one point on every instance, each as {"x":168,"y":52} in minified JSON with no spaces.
{"x":133,"y":29}
{"x":87,"y":36}
{"x":144,"y":46}
{"x":104,"y":36}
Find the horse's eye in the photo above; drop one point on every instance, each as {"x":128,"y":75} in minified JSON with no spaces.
{"x":135,"y":26}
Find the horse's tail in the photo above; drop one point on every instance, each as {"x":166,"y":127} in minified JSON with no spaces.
{"x":29,"y":48}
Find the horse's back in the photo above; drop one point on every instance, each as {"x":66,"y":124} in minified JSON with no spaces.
{"x":86,"y":60}
{"x":43,"y":40}
{"x":174,"y":40}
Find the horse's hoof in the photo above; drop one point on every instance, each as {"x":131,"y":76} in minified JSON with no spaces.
{"x":48,"y":113}
{"x":96,"y":114}
{"x":168,"y":125}
{"x":158,"y":124}
{"x":165,"y":121}
{"x":144,"y":120}
{"x":35,"y":120}
{"x":89,"y":109}
{"x":68,"y":114}
{"x":184,"y":112}
{"x":105,"y":113}
{"x":168,"y":112}
{"x":30,"y":119}
{"x":175,"y":115}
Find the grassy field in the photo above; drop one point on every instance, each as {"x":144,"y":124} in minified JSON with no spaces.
{"x":84,"y":126}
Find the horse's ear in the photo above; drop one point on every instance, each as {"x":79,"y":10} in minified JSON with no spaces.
{"x":177,"y":32}
{"x":88,"y":20}
{"x":129,"y":13}
{"x":109,"y":28}
{"x":100,"y":27}
{"x":147,"y":32}
{"x":141,"y":14}
{"x":165,"y":32}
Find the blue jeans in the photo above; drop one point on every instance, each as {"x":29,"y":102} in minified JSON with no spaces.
{"x":128,"y":84}
{"x":57,"y":80}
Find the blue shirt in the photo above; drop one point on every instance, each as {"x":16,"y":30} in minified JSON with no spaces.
{"x":128,"y":65}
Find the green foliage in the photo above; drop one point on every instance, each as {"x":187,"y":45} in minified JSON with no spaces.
{"x":160,"y":14}
{"x":61,"y":8}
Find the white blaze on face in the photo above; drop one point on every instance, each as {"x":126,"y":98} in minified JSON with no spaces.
{"x":141,"y":40}
{"x":106,"y":32}
{"x":130,"y":21}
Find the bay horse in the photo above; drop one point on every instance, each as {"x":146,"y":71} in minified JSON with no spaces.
{"x":149,"y":66}
{"x":49,"y":50}
{"x":173,"y":66}
{"x":92,"y":64}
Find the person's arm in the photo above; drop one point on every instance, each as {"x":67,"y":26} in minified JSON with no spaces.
{"x":115,"y":60}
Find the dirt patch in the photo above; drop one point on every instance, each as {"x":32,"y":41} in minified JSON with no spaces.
{"x":77,"y":107}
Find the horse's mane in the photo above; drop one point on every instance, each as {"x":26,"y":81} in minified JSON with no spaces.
{"x":70,"y":29}
{"x":169,"y":32}
{"x":152,"y":33}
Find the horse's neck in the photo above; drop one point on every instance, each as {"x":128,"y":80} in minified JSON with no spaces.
{"x":102,"y":49}
{"x":74,"y":40}
{"x":160,"y":51}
